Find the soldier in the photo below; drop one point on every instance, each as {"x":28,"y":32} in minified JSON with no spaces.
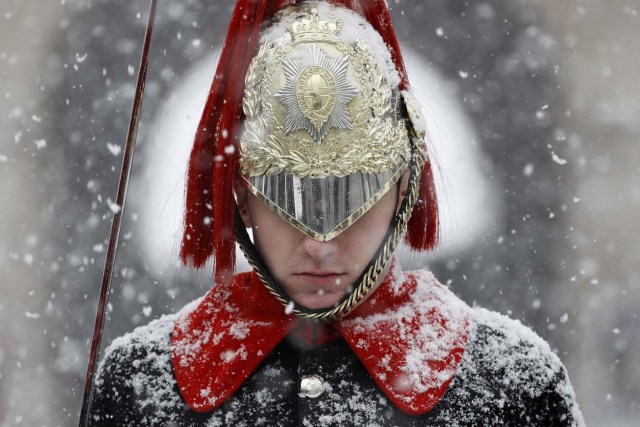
{"x":311,"y":138}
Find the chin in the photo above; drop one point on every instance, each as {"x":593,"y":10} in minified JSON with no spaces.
{"x":318,"y":301}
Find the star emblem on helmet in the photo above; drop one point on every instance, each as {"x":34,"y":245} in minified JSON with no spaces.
{"x":316,"y":95}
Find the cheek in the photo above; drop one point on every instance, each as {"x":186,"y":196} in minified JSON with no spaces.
{"x":368,"y":237}
{"x":365,"y":236}
{"x":273,"y":237}
{"x":264,"y":235}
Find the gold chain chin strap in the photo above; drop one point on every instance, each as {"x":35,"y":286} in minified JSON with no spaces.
{"x":372,"y":274}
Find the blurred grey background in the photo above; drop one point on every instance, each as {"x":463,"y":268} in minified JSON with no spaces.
{"x":534,"y":109}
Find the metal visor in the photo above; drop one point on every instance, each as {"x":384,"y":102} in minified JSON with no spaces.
{"x":322,"y":208}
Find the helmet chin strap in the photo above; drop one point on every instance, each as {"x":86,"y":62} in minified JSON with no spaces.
{"x":370,"y":275}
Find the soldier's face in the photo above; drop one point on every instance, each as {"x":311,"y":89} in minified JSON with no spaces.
{"x":317,"y":274}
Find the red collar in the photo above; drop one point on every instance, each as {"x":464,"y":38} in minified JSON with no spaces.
{"x":410,"y":336}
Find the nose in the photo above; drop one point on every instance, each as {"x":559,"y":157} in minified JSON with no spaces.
{"x":319,"y":250}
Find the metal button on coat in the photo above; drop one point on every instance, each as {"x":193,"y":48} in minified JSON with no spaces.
{"x":311,"y":386}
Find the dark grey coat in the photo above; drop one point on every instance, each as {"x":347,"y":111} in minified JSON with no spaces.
{"x":508,"y":377}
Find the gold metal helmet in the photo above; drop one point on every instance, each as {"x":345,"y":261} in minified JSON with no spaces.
{"x":325,"y":136}
{"x":327,"y":133}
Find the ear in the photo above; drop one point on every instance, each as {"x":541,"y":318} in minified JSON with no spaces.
{"x":402,"y":189}
{"x":242,"y":196}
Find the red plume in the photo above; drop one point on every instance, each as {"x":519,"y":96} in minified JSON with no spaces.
{"x":209,"y":216}
{"x":423,"y":228}
{"x":210,"y":203}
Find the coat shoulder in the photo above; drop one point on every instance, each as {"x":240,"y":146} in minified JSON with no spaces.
{"x":136,"y":375}
{"x":518,"y":366}
{"x":151,"y":339}
{"x":506,"y":346}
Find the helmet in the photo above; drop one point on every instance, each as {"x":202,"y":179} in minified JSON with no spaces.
{"x":319,"y":128}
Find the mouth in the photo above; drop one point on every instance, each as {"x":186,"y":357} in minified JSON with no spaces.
{"x":319,"y":289}
{"x":322,"y":279}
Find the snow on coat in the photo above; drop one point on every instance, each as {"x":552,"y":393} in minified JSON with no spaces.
{"x":506,"y":376}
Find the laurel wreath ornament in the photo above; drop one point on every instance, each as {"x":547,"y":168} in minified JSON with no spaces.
{"x":378,"y":141}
